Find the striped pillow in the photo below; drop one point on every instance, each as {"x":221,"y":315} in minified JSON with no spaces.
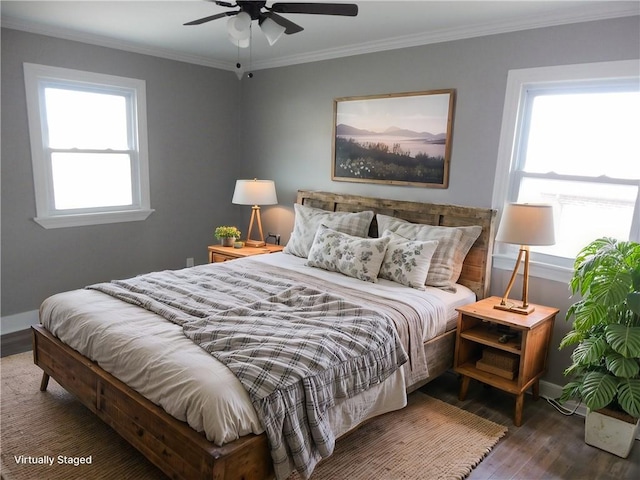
{"x":308,"y":219}
{"x":453,"y":245}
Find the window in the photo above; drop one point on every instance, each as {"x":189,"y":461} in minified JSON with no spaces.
{"x":569,"y":138}
{"x":88,"y":147}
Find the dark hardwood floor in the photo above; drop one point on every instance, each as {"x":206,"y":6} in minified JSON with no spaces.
{"x":16,"y":342}
{"x":548,"y":445}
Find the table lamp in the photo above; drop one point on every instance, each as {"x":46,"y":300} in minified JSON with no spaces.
{"x":526,"y":225}
{"x":255,"y":192}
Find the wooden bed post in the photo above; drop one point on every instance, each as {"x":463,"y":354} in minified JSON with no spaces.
{"x":45,"y":382}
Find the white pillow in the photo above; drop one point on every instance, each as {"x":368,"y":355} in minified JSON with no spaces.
{"x":308,"y":219}
{"x":353,"y":256}
{"x":407,"y":261}
{"x":453,"y":245}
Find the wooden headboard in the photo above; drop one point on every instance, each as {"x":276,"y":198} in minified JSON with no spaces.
{"x":476,"y":270}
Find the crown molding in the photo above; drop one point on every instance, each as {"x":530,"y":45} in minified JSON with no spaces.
{"x":102,"y":41}
{"x":451,"y":34}
{"x":591,"y":13}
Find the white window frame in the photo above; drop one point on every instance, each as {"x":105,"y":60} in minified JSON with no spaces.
{"x":518,"y":83}
{"x":36,"y":78}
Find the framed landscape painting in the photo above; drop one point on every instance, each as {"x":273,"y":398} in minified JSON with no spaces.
{"x":397,"y":139}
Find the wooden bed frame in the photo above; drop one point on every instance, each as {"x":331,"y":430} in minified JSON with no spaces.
{"x":183,"y":453}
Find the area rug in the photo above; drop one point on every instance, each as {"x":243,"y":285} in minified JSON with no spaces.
{"x":51,"y":435}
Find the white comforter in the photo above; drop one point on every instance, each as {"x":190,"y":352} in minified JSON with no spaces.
{"x":152,"y":355}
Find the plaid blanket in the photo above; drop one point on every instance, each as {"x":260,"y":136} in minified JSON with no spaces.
{"x":297,"y":348}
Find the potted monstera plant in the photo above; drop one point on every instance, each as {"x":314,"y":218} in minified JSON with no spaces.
{"x":605,"y":368}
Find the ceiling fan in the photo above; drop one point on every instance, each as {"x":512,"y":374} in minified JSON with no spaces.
{"x":271,"y":24}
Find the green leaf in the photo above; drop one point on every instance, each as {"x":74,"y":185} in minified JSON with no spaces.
{"x":629,"y":396}
{"x":633,"y":302}
{"x":610,"y":286}
{"x":589,"y":352}
{"x":571,"y":390}
{"x":575,"y":369}
{"x":624,"y":340}
{"x":588,"y":314}
{"x":635,"y":274}
{"x":571,"y":338}
{"x":598,"y":389}
{"x":621,"y":366}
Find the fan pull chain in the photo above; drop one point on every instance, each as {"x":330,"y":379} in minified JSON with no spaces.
{"x":239,"y":72}
{"x":250,"y":74}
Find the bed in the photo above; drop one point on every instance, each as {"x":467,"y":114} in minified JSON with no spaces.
{"x":184,"y":451}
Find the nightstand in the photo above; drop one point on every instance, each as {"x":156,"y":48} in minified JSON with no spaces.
{"x":218,"y":253}
{"x":503,"y":349}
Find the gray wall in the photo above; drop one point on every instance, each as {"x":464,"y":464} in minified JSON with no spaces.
{"x":289,"y":110}
{"x":192,"y":159}
{"x":291,"y":117}
{"x":285,"y":136}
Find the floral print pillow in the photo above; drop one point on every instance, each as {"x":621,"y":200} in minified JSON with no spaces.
{"x":353,"y":256}
{"x":407,"y":261}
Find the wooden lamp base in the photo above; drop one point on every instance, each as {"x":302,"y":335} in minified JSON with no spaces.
{"x":505,"y":304}
{"x":510,"y":307}
{"x":255,"y":215}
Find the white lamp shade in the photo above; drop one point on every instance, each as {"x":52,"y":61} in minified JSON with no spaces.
{"x":242,"y":42}
{"x":527,"y":224}
{"x":239,"y":26}
{"x":255,"y":192}
{"x":272,"y":30}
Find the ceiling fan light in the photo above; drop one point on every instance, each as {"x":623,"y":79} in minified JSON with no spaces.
{"x":272,"y":30}
{"x":243,"y":20}
{"x":239,"y":26}
{"x":240,"y":42}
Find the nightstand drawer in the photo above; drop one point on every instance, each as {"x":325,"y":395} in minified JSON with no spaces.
{"x":218,"y":253}
{"x":216,"y":258}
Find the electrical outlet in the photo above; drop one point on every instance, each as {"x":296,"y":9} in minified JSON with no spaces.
{"x":190,"y":262}
{"x":275,"y":236}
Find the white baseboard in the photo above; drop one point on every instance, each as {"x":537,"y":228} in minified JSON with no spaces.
{"x":553,"y":391}
{"x":19,"y":321}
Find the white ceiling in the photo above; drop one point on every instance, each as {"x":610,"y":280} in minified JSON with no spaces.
{"x":155,"y":27}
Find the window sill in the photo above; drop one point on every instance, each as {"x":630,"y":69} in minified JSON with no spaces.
{"x":536,"y":269}
{"x":78,"y":220}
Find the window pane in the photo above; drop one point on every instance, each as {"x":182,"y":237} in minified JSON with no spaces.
{"x":88,"y":120}
{"x":582,"y":211}
{"x":85,"y":180}
{"x":588,"y":134}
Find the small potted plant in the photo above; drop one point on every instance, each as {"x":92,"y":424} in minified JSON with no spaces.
{"x":605,"y":366}
{"x":227,"y":235}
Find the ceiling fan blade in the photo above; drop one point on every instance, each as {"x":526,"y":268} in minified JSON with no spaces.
{"x":210,"y":18}
{"x":223,"y":4}
{"x":345,"y":9}
{"x":290,"y":27}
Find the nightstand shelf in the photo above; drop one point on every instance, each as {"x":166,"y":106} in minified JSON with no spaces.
{"x":469,"y":369}
{"x":480,"y":328}
{"x":485,"y":334}
{"x":218,"y":253}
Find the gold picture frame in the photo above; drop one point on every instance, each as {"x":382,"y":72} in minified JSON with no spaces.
{"x":394,"y":139}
